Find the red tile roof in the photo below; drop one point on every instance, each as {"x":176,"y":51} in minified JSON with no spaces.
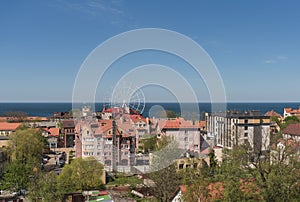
{"x":54,"y":132}
{"x":179,"y":123}
{"x":104,"y":125}
{"x":292,"y":111}
{"x":112,"y":110}
{"x":272,"y":113}
{"x":136,"y":118}
{"x":9,"y":126}
{"x":292,"y":129}
{"x":202,"y":124}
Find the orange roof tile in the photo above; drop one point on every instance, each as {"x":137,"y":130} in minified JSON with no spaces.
{"x":272,"y":113}
{"x":136,"y":118}
{"x":202,"y":124}
{"x":54,"y":132}
{"x":9,"y":126}
{"x":180,"y":123}
{"x":104,"y":125}
{"x":293,"y":111}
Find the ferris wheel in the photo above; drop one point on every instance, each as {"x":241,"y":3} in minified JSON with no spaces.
{"x":125,"y":95}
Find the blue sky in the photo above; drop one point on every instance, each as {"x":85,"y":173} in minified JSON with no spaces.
{"x":254,"y":44}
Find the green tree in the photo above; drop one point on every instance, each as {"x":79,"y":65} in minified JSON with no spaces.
{"x":149,"y":143}
{"x":16,"y":116}
{"x":16,"y":176}
{"x":196,"y":182}
{"x":45,"y":186}
{"x":163,"y":170}
{"x":213,"y":163}
{"x":166,"y":182}
{"x":26,"y":145}
{"x":25,"y":150}
{"x":162,"y":142}
{"x":289,"y":120}
{"x":268,"y":177}
{"x":232,"y":173}
{"x":167,"y":114}
{"x":81,"y":174}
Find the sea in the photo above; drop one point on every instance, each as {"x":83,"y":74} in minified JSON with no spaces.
{"x":47,"y":109}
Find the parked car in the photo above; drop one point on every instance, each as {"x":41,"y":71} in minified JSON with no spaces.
{"x":61,"y":163}
{"x":62,"y":157}
{"x":45,"y":159}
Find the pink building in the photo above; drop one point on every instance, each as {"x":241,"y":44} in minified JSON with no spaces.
{"x":185,"y":132}
{"x":109,"y":143}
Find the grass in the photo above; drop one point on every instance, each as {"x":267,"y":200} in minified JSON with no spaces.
{"x":121,"y":179}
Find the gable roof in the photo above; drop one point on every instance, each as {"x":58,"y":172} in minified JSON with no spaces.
{"x":54,"y":132}
{"x":179,"y":123}
{"x":9,"y":126}
{"x":292,"y":129}
{"x":292,"y":111}
{"x":272,"y":113}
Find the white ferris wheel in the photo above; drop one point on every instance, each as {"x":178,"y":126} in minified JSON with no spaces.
{"x":128,"y":96}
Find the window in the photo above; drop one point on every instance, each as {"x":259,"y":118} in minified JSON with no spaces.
{"x":245,"y":134}
{"x":180,"y":166}
{"x":186,"y":139}
{"x":89,"y":139}
{"x":246,"y":127}
{"x":89,"y":146}
{"x":107,"y":162}
{"x":124,"y":162}
{"x":246,"y":121}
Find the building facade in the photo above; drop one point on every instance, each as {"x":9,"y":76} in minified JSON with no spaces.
{"x":107,"y":142}
{"x":237,"y":127}
{"x":185,"y":132}
{"x":292,"y":131}
{"x":68,"y":133}
{"x":291,"y":112}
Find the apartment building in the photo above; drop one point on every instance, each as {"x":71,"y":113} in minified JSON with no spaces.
{"x":109,"y":143}
{"x":239,"y":127}
{"x":185,"y":132}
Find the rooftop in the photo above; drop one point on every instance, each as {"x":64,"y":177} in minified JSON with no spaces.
{"x":272,"y":113}
{"x":9,"y":126}
{"x":239,"y":113}
{"x":292,"y":129}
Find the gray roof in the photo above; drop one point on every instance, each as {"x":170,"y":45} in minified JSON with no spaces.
{"x":239,"y":113}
